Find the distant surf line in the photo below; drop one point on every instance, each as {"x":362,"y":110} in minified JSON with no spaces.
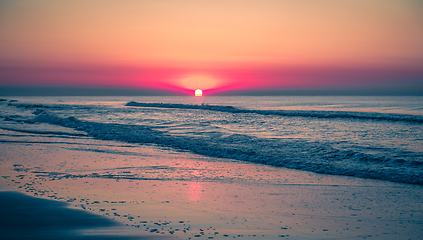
{"x":290,"y":113}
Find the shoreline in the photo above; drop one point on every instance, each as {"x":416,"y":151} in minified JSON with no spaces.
{"x":26,"y":217}
{"x":189,"y":196}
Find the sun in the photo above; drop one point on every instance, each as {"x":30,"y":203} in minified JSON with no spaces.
{"x":198,"y":93}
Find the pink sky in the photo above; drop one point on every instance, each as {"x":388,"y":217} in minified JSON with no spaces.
{"x":212,"y":45}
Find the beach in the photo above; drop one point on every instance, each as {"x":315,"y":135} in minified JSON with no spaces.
{"x":26,"y":217}
{"x":244,"y":201}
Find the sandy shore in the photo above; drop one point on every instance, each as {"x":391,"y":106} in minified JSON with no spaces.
{"x":25,"y":217}
{"x":161,"y":193}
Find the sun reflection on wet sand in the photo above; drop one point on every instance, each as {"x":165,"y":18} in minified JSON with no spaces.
{"x":158,"y":190}
{"x":195,"y":191}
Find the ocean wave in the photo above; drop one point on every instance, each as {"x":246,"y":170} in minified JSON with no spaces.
{"x":43,"y":131}
{"x":298,"y":154}
{"x":291,"y":113}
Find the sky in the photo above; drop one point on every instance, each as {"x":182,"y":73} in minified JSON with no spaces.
{"x":215,"y":45}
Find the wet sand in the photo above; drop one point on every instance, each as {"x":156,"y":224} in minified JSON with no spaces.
{"x":157,"y":192}
{"x":25,"y":217}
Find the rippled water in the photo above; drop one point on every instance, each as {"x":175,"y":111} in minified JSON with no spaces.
{"x":368,"y":137}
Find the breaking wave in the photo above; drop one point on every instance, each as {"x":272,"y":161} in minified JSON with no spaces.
{"x":291,"y":113}
{"x":319,"y":157}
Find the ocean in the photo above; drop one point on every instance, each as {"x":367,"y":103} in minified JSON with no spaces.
{"x":217,"y":167}
{"x":365,"y":137}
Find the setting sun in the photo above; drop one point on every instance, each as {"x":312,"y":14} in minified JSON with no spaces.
{"x":198,"y":93}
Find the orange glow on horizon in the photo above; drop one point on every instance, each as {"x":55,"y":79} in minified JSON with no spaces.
{"x":210,"y":45}
{"x":198,"y":82}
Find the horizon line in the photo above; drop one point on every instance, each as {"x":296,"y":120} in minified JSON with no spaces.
{"x":16,"y":90}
